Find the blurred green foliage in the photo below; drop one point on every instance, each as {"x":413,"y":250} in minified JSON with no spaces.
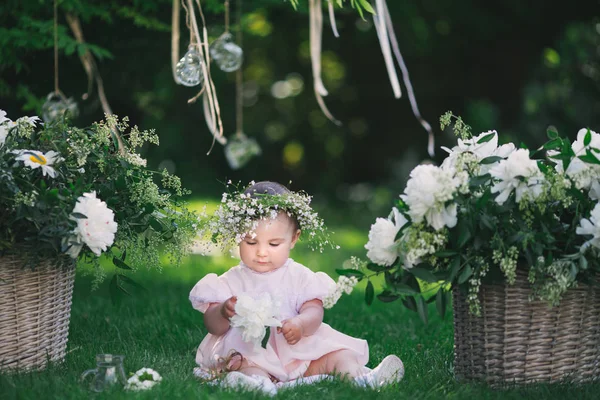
{"x":506,"y":65}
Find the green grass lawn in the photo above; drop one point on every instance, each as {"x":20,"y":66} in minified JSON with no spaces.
{"x":158,"y":328}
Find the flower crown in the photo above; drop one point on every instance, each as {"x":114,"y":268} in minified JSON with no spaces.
{"x":239,"y":213}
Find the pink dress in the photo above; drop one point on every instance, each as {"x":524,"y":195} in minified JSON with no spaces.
{"x":293,"y":284}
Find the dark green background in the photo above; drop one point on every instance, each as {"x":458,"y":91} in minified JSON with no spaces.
{"x":513,"y":66}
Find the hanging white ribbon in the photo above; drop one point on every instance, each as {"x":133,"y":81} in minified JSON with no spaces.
{"x":316,"y":33}
{"x":332,"y":19}
{"x":387,"y":37}
{"x":384,"y":42}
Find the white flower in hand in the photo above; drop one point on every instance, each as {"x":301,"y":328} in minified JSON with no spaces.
{"x":252,"y":316}
{"x":97,"y":231}
{"x":36,"y":159}
{"x":143,"y":379}
{"x":590,"y":227}
{"x":520,"y":173}
{"x":382,"y":237}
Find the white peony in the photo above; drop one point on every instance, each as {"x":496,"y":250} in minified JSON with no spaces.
{"x":584,"y":175}
{"x":520,"y":173}
{"x":254,"y":315}
{"x":590,"y":227}
{"x":479,"y":151}
{"x":97,"y":231}
{"x":427,"y":194}
{"x":3,"y":118}
{"x":143,"y":379}
{"x":382,"y":236}
{"x":36,"y":159}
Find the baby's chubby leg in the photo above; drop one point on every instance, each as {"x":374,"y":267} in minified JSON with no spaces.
{"x":343,"y":362}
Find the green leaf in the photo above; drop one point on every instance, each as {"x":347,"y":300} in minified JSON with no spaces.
{"x":265,"y":339}
{"x":410,"y":303}
{"x":369,"y":293}
{"x":445,"y":253}
{"x":387,"y":296}
{"x":389,"y":278}
{"x":78,"y":215}
{"x":551,"y":133}
{"x":589,"y":158}
{"x":401,"y":288}
{"x":465,"y":274}
{"x":366,"y":6}
{"x":454,"y":268}
{"x":481,"y":201}
{"x":377,"y":268}
{"x":487,"y":222}
{"x":553,"y":144}
{"x":479,"y":180}
{"x":423,"y":274}
{"x":350,"y":272}
{"x":124,"y":255}
{"x":440,"y":302}
{"x":486,"y":138}
{"x":120,"y":263}
{"x":490,"y":160}
{"x":131,"y":282}
{"x":422,"y":309}
{"x":464,"y":234}
{"x":583,"y":263}
{"x":587,"y":139}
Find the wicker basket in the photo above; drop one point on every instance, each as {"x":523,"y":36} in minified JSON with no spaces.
{"x":517,"y":342}
{"x":35,"y":307}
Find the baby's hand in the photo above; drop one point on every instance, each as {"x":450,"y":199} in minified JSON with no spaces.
{"x":292,"y":330}
{"x":228,"y":307}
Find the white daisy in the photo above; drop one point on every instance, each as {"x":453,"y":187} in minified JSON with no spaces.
{"x":36,"y":159}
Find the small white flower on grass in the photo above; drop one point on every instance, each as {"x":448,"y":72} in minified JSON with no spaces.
{"x":36,"y":159}
{"x":519,"y":173}
{"x":143,"y":379}
{"x":254,"y":315}
{"x":427,"y":194}
{"x":97,"y":230}
{"x":382,"y":237}
{"x":590,"y":227}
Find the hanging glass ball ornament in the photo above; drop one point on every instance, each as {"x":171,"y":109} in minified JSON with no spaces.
{"x":56,"y":105}
{"x":227,"y":55}
{"x":189,"y":69}
{"x":240,"y":150}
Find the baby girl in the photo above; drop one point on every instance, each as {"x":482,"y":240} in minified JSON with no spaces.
{"x":266,"y":221}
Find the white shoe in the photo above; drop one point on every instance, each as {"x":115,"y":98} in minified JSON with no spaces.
{"x":237,"y":380}
{"x":389,"y":371}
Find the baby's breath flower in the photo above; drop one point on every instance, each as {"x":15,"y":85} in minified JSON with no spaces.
{"x":239,"y":214}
